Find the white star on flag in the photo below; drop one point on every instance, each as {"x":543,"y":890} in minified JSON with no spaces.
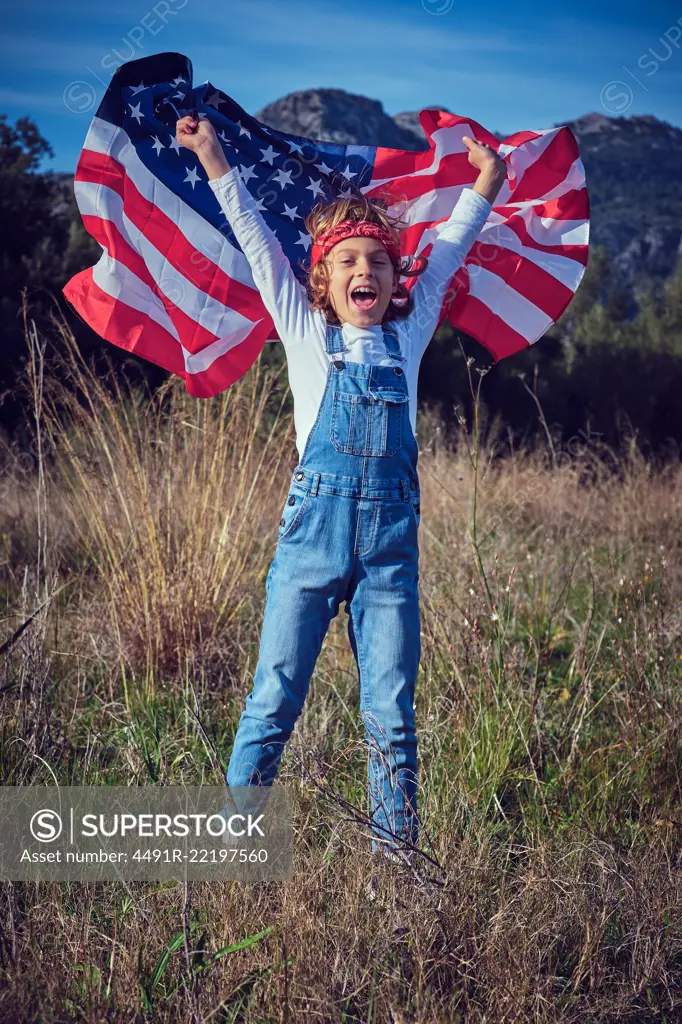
{"x":192,"y":176}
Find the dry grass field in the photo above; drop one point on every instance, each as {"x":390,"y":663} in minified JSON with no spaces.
{"x":134,"y":540}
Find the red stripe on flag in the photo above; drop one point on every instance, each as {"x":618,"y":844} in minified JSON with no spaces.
{"x":549,"y":170}
{"x":195,"y":337}
{"x":531,"y":281}
{"x":138,"y":333}
{"x":454,"y":170}
{"x":518,"y":138}
{"x":577,"y":252}
{"x":574,"y":204}
{"x":119,"y":323}
{"x":475,"y":318}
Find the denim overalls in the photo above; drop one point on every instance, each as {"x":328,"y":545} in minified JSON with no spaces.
{"x":349,"y":531}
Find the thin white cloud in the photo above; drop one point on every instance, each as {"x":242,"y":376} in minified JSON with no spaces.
{"x":32,"y":53}
{"x":350,"y":31}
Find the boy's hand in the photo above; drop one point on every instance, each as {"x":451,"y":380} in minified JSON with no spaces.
{"x":491,"y":167}
{"x":484,"y":157}
{"x":196,"y":133}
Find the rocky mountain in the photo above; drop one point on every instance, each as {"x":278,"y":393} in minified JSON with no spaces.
{"x":334,"y":115}
{"x":631,"y":167}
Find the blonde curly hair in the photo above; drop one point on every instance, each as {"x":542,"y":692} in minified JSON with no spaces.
{"x":326,"y":215}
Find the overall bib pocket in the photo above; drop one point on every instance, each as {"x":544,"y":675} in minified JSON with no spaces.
{"x":368,"y":424}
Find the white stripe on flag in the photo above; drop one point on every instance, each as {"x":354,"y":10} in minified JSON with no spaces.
{"x":116,"y":280}
{"x":522,"y":315}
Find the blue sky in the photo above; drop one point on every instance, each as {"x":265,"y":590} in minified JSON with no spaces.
{"x":516,"y":65}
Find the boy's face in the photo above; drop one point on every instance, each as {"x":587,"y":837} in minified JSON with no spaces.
{"x":360,"y":262}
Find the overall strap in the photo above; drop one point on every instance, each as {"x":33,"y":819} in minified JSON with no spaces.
{"x":334,"y":340}
{"x":391,"y":342}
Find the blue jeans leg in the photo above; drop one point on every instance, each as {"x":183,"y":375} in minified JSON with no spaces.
{"x":298,"y":610}
{"x":384,"y":632}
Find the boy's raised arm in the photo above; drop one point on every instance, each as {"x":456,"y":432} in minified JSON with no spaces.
{"x":454,"y":240}
{"x":455,"y":236}
{"x":282,"y":294}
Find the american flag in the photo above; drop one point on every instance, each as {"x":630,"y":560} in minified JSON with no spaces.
{"x":173,"y":286}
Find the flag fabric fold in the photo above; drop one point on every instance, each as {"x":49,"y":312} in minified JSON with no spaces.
{"x":173,"y":286}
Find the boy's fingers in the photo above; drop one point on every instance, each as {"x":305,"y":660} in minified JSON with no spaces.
{"x":185,"y":126}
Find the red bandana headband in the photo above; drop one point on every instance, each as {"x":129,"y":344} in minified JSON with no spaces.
{"x":353,"y":229}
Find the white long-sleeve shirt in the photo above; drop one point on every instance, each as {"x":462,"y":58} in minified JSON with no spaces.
{"x":302,"y":330}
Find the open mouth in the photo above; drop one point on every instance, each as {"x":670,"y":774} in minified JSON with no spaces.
{"x":364,"y":298}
